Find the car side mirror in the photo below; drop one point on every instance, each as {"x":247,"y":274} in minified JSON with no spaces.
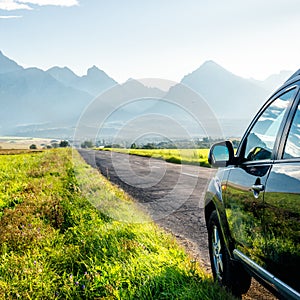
{"x":221,"y":154}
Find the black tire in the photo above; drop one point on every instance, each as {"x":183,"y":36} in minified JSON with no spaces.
{"x":225,"y":271}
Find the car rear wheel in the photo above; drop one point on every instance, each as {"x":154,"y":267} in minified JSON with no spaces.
{"x":225,"y":271}
{"x":217,"y":253}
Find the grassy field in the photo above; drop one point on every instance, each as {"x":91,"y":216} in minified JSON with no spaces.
{"x":179,"y":156}
{"x":54,"y":244}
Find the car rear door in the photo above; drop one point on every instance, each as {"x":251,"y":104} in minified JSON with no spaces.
{"x":244,"y":195}
{"x":281,"y":251}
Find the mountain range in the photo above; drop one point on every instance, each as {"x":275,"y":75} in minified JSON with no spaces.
{"x":49,"y":103}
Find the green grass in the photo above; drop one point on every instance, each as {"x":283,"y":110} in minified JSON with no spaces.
{"x":178,"y":156}
{"x":54,"y":243}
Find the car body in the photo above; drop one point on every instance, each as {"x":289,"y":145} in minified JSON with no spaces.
{"x":252,"y":205}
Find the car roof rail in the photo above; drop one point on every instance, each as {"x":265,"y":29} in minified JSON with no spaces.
{"x":294,"y":75}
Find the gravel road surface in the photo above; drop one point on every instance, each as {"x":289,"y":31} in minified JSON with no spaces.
{"x":172,"y":194}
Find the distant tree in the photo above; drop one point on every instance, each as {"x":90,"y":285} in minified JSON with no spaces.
{"x":205,"y":143}
{"x":133,"y":146}
{"x":33,"y":146}
{"x":100,"y":143}
{"x":87,"y":144}
{"x":64,"y":144}
{"x":113,"y":146}
{"x":149,"y":146}
{"x":116,"y":146}
{"x":55,"y":145}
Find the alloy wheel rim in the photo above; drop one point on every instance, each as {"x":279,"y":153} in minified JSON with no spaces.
{"x":217,"y":253}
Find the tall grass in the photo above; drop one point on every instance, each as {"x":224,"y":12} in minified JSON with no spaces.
{"x":54,"y":244}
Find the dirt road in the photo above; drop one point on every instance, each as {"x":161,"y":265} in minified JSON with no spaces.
{"x":172,"y":194}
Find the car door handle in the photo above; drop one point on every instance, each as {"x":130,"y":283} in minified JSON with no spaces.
{"x":258,"y":187}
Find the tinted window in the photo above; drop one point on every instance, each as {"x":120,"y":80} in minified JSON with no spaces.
{"x":261,"y":139}
{"x":292,"y":147}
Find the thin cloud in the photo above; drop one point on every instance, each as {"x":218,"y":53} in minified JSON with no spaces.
{"x":12,"y":5}
{"x":26,"y":4}
{"x":10,"y":17}
{"x":66,"y":3}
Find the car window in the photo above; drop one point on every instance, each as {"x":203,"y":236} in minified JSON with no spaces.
{"x":261,"y":139}
{"x":292,"y":146}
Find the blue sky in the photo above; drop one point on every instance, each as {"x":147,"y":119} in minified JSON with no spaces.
{"x":159,"y":38}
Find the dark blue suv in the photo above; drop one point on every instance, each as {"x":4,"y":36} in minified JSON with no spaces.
{"x":252,"y":205}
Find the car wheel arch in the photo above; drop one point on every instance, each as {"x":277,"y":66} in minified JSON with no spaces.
{"x":209,"y":209}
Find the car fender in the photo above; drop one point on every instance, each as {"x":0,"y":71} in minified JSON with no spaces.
{"x":214,"y":201}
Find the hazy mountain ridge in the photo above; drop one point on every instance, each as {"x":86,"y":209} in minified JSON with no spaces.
{"x":33,"y":96}
{"x":234,"y":100}
{"x":49,"y":103}
{"x":94,"y":82}
{"x":274,"y":81}
{"x":7,"y":65}
{"x":224,"y":90}
{"x":64,"y":75}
